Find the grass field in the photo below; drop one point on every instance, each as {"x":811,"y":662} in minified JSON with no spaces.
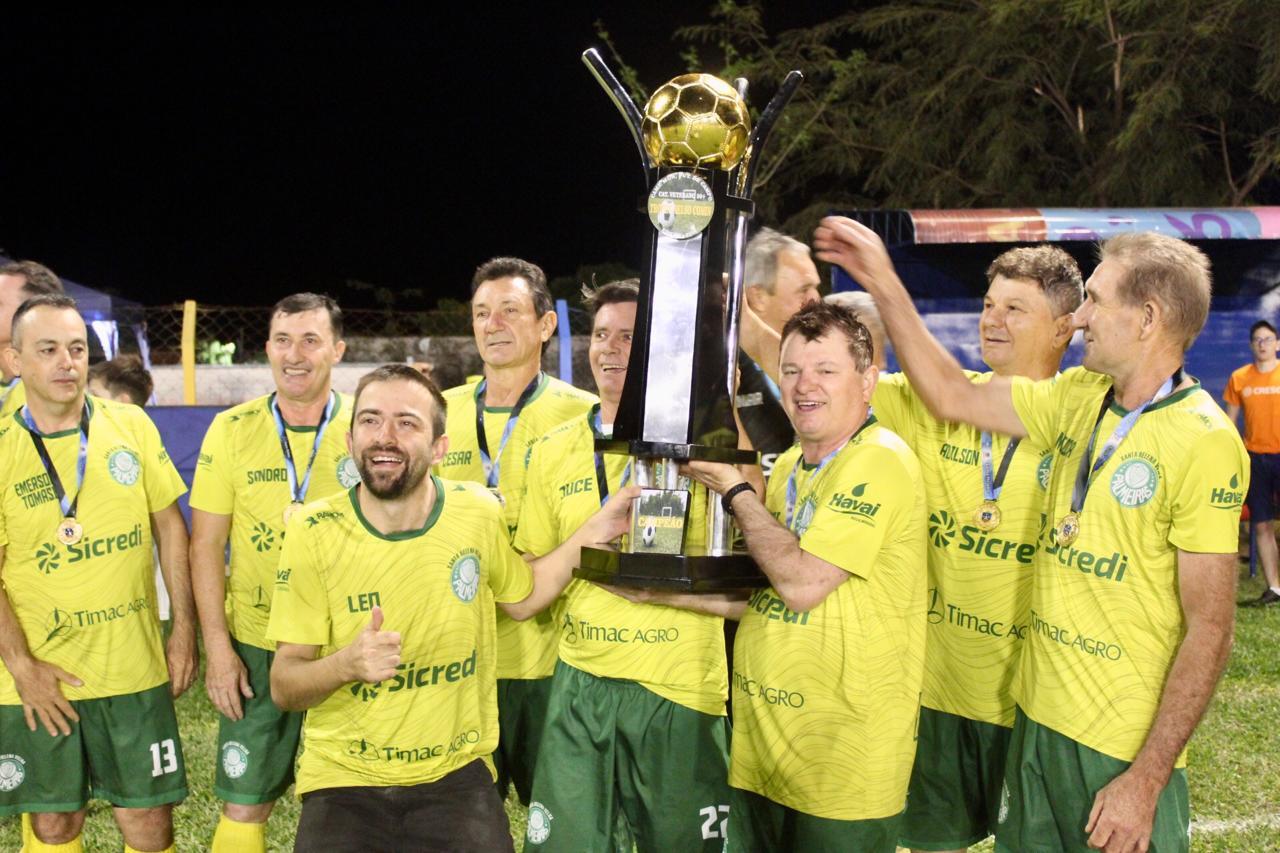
{"x":1234,"y":765}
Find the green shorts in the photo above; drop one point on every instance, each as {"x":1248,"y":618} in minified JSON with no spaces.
{"x":624,"y":763}
{"x":759,"y":825}
{"x":522,"y":708}
{"x":256,"y":753}
{"x":955,"y":782}
{"x":125,"y":750}
{"x":1049,"y":788}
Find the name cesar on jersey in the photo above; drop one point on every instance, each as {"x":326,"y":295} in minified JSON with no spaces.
{"x":456,"y":457}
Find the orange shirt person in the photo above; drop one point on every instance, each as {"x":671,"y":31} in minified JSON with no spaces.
{"x":1256,"y":388}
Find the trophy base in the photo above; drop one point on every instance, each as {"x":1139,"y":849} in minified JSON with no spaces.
{"x":679,"y":572}
{"x":679,"y":452}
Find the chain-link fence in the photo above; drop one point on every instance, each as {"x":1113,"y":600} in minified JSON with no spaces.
{"x":224,"y":338}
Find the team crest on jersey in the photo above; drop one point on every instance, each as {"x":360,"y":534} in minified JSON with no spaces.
{"x":1134,"y":482}
{"x":804,"y":514}
{"x":13,"y":769}
{"x":1043,"y":469}
{"x":539,"y":825}
{"x":235,"y":759}
{"x":124,"y":466}
{"x":464,"y":576}
{"x":348,"y":473}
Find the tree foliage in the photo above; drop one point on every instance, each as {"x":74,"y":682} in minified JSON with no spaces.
{"x":1011,"y":103}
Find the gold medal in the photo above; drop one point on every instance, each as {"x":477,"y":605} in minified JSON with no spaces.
{"x":69,"y":531}
{"x":987,"y":518}
{"x":1068,"y":529}
{"x":290,"y":510}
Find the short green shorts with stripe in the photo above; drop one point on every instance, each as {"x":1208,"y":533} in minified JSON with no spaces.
{"x":621,"y":763}
{"x":1050,"y":784}
{"x":759,"y":825}
{"x":125,"y":750}
{"x":522,"y":708}
{"x":256,"y":753}
{"x":954,"y":795}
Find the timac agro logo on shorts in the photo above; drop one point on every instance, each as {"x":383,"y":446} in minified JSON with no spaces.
{"x":464,"y":575}
{"x":851,"y":503}
{"x":942,"y":528}
{"x":13,"y":769}
{"x":539,"y":826}
{"x":124,"y":466}
{"x":1134,"y":482}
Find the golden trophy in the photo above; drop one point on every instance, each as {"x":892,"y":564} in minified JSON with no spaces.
{"x":699,"y":151}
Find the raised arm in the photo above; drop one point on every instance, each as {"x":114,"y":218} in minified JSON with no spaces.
{"x":934,"y":373}
{"x":301,"y":680}
{"x":552,"y":572}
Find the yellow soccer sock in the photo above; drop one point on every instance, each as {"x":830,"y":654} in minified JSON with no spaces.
{"x":35,"y":845}
{"x":232,"y":836}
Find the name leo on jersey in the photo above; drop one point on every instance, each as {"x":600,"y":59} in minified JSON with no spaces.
{"x":1085,"y":645}
{"x":770,"y":606}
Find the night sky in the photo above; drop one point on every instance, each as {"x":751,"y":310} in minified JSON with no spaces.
{"x":235,"y":158}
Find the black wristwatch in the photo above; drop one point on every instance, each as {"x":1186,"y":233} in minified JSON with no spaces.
{"x":726,"y":500}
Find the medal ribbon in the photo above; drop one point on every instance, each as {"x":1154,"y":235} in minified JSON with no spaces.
{"x":991,"y":487}
{"x":68,"y":506}
{"x":489,"y":464}
{"x":1086,"y":474}
{"x":793,"y":492}
{"x":8,"y":389}
{"x":298,"y":491}
{"x":602,"y":479}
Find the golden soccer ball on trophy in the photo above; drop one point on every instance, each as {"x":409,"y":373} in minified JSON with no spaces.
{"x":696,"y":121}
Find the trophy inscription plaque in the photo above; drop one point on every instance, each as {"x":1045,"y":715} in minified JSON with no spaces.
{"x":699,"y":152}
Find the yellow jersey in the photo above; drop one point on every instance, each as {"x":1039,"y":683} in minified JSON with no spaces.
{"x":241,"y":473}
{"x":87,"y":607}
{"x":979,"y":580}
{"x":826,"y":703}
{"x":437,"y":587}
{"x":525,"y":649}
{"x":675,"y":653}
{"x":1106,"y":618}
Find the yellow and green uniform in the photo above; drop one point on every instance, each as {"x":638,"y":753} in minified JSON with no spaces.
{"x":979,"y":582}
{"x":825,"y":702}
{"x":525,"y":649}
{"x":1106,"y":619}
{"x":674,"y":653}
{"x":89,"y":607}
{"x":12,"y":396}
{"x":437,"y":587}
{"x":241,"y":473}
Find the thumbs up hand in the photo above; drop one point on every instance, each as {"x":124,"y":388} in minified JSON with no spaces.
{"x":373,"y":655}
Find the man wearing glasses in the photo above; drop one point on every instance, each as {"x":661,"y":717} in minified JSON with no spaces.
{"x":1256,"y":389}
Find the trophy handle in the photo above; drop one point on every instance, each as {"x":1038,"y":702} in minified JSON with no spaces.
{"x":618,"y":94}
{"x":765,"y":126}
